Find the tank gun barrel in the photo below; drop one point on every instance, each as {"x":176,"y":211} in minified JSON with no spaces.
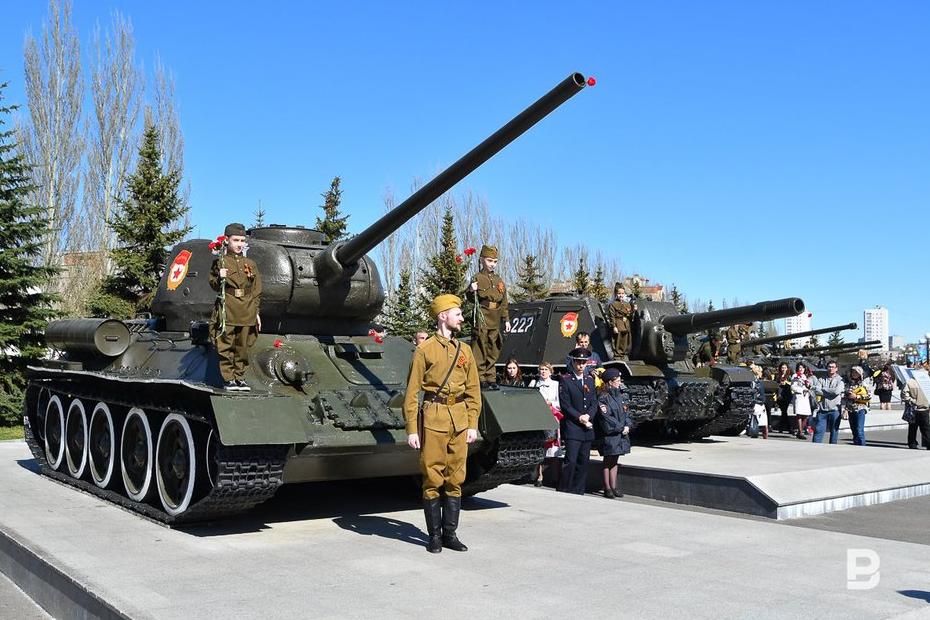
{"x":813,"y":332}
{"x":830,"y":347}
{"x":343,"y":255}
{"x":683,"y":324}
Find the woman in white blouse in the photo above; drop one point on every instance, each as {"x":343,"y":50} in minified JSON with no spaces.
{"x":549,"y":388}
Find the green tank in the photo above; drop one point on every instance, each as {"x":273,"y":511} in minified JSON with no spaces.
{"x":134,"y":411}
{"x":668,"y":395}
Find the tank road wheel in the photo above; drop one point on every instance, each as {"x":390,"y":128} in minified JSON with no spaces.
{"x":101,"y":445}
{"x":212,"y":460}
{"x":41,"y":410}
{"x":175,"y":464}
{"x":135,"y":455}
{"x":52,"y":430}
{"x":76,"y":438}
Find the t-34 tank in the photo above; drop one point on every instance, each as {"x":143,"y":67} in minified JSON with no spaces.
{"x":667,"y":393}
{"x":134,"y":411}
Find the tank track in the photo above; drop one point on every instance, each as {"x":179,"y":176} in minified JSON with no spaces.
{"x":518,"y":454}
{"x":738,"y":404}
{"x":246,"y":475}
{"x":646,"y":399}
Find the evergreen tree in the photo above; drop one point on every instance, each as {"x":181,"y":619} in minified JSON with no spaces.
{"x":444,"y":271}
{"x":582,"y":279}
{"x":813,"y":342}
{"x":259,"y":216}
{"x":678,"y":300}
{"x":332,"y":225}
{"x":710,"y":305}
{"x":144,"y":234}
{"x":402,"y":316}
{"x":530,"y":286}
{"x":598,"y":288}
{"x":25,"y":307}
{"x":761,"y":330}
{"x":636,"y":289}
{"x":835,"y":339}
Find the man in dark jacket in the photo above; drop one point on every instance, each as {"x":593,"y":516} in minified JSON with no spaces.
{"x":578,"y":403}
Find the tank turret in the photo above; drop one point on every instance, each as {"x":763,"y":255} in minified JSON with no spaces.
{"x":814,"y":332}
{"x":660,"y":332}
{"x":310,"y":287}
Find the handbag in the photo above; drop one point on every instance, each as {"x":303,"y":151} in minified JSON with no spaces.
{"x":420,"y":428}
{"x":752,"y":427}
{"x":908,"y":415}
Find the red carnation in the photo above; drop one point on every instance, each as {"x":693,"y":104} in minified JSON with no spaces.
{"x":591,"y":81}
{"x":458,"y":258}
{"x":277,"y":343}
{"x":371,"y":332}
{"x":379,"y":339}
{"x":470,"y":251}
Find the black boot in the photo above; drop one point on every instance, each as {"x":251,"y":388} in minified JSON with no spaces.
{"x":432,"y":509}
{"x":450,"y":522}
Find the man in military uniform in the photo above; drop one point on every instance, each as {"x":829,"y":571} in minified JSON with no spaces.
{"x":709,"y":350}
{"x":491,"y":297}
{"x":235,"y":323}
{"x":620,"y":316}
{"x":447,"y":373}
{"x":733,"y":343}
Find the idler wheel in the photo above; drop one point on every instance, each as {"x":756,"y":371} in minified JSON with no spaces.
{"x":212,"y":460}
{"x":135,"y":455}
{"x":176,"y":464}
{"x":101,"y":445}
{"x":52,"y":430}
{"x":41,"y":409}
{"x":76,"y":439}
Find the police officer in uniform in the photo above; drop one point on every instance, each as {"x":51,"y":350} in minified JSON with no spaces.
{"x":491,"y":297}
{"x":578,"y":403}
{"x":238,"y":277}
{"x":620,"y":315}
{"x":450,"y":411}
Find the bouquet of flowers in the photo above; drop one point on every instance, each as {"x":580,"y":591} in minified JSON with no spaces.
{"x":218,"y":248}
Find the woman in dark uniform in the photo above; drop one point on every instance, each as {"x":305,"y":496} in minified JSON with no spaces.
{"x":613,"y":429}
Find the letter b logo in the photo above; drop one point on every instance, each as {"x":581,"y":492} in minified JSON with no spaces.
{"x":862,"y":569}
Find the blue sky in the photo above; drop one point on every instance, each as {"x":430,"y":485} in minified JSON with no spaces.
{"x":735,"y":149}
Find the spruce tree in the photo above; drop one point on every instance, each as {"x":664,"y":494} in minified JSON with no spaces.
{"x":598,"y":289}
{"x":835,"y":339}
{"x":402,"y":316}
{"x":813,"y":342}
{"x":25,"y":306}
{"x":333,"y":225}
{"x":710,"y":305}
{"x":582,"y":279}
{"x":678,"y":300}
{"x":444,"y":271}
{"x":530,"y":285}
{"x":143,"y":234}
{"x":636,"y":289}
{"x":259,"y":216}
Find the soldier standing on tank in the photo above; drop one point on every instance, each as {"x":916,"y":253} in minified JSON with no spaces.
{"x":235,"y":323}
{"x":491,"y":299}
{"x":734,"y":337}
{"x":447,"y":420}
{"x":620,"y":315}
{"x":709,"y":350}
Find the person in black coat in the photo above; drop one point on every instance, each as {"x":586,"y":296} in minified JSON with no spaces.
{"x":613,"y":428}
{"x":578,"y":400}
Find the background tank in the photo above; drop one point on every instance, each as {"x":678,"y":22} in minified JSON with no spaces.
{"x":134,"y":411}
{"x":772,"y":345}
{"x":668,"y":395}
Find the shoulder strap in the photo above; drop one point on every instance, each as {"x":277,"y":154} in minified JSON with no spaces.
{"x":455,"y":359}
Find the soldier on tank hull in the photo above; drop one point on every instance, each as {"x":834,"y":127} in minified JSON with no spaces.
{"x":620,"y":315}
{"x":235,"y":323}
{"x":491,"y":299}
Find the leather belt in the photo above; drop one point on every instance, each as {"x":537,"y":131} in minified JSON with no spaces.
{"x":433,"y":397}
{"x":242,"y":292}
{"x":490,"y":305}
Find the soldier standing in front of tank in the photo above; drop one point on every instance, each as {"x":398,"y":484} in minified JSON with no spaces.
{"x":236,"y":332}
{"x":446,"y":422}
{"x":620,"y":315}
{"x":491,"y":299}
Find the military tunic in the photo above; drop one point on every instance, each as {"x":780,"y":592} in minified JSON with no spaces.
{"x":243,"y":296}
{"x":734,"y":337}
{"x":488,"y":341}
{"x":620,"y":315}
{"x":442,"y":447}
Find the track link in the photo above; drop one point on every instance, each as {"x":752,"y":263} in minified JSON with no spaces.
{"x":517,"y":455}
